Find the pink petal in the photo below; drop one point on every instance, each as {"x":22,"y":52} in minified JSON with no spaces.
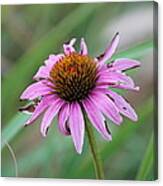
{"x":44,"y":71}
{"x":50,"y":114}
{"x":115,"y":79}
{"x":40,"y":108}
{"x":63,"y":118}
{"x":123,"y":64}
{"x":124,"y":107}
{"x":52,"y":60}
{"x":127,"y":87}
{"x":124,"y":81}
{"x":121,"y":78}
{"x":68,"y":48}
{"x":83,"y":47}
{"x":77,"y":127}
{"x":35,"y":90}
{"x":106,"y":106}
{"x":111,"y":49}
{"x":96,"y":118}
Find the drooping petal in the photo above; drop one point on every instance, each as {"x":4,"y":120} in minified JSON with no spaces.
{"x":96,"y":118}
{"x":50,"y":114}
{"x":40,"y":108}
{"x":83,"y":47}
{"x":110,"y":50}
{"x":124,"y":107}
{"x":35,"y":90}
{"x":63,"y":119}
{"x":77,"y":126}
{"x":106,"y":105}
{"x":123,"y":64}
{"x":68,"y":47}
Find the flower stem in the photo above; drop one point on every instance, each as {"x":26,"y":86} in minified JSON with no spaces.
{"x":94,"y":150}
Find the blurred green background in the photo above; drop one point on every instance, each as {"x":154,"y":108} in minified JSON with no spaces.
{"x":29,"y":34}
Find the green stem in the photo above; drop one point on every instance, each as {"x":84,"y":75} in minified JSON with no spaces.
{"x":94,"y":150}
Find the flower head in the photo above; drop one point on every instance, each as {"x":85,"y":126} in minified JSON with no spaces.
{"x":70,"y":83}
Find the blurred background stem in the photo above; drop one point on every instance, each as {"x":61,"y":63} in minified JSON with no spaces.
{"x":94,"y":151}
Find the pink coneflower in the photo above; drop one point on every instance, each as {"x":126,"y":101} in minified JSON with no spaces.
{"x":71,"y":83}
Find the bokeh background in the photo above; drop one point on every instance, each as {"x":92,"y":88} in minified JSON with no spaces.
{"x":29,"y":34}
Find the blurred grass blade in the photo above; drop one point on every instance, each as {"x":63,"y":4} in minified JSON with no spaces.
{"x":147,"y":162}
{"x":13,"y":127}
{"x":136,"y":51}
{"x":29,"y":62}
